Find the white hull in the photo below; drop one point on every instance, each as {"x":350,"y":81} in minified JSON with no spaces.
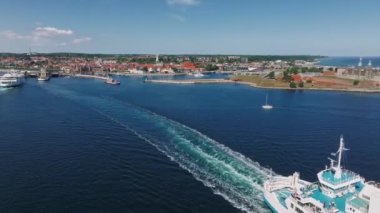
{"x":267,"y":107}
{"x":11,"y":80}
{"x":10,"y":85}
{"x":198,"y":75}
{"x":274,"y":205}
{"x":43,"y":79}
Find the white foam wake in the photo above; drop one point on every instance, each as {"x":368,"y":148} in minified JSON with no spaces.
{"x":229,"y":174}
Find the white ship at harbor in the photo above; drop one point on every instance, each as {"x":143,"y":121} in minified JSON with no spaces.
{"x":44,"y":75}
{"x":337,"y":190}
{"x":12,"y":80}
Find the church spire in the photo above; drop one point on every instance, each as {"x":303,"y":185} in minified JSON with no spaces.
{"x":360,"y":62}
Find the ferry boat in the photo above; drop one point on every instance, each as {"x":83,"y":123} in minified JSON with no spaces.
{"x":11,"y":80}
{"x":337,"y":190}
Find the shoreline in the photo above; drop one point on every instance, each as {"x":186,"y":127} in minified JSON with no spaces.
{"x":222,"y":81}
{"x":147,"y":74}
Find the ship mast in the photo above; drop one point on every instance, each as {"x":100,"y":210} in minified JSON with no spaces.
{"x":338,"y":168}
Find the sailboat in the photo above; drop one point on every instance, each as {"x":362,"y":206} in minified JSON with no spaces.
{"x":267,"y":106}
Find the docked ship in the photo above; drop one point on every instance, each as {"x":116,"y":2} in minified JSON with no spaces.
{"x":338,"y":190}
{"x":44,"y":75}
{"x":11,"y":80}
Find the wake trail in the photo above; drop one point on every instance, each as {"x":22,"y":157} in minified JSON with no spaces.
{"x":236,"y":178}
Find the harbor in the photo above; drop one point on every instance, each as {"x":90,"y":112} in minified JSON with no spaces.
{"x":223,"y":142}
{"x":194,"y":106}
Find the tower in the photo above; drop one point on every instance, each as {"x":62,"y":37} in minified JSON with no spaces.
{"x":370,"y":71}
{"x":360,"y":64}
{"x":157,"y":58}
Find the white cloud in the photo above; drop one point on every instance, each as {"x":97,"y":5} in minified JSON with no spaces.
{"x":13,"y":35}
{"x":38,"y":33}
{"x":183,"y":2}
{"x":82,"y":40}
{"x":48,"y":32}
{"x":177,"y":17}
{"x":46,"y":36}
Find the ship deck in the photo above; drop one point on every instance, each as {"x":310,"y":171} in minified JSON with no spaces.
{"x":359,"y":203}
{"x":282,"y":194}
{"x":329,"y":177}
{"x":338,"y":202}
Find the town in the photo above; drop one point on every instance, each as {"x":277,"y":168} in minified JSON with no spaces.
{"x":290,"y":72}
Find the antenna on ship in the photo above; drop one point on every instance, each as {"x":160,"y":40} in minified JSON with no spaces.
{"x":338,"y":168}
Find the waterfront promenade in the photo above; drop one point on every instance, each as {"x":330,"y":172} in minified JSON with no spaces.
{"x":91,"y":76}
{"x":192,"y":81}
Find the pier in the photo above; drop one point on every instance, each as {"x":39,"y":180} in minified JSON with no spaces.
{"x":91,"y":76}
{"x":192,"y":81}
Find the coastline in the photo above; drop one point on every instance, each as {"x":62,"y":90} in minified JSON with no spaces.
{"x":147,"y":74}
{"x":223,"y":81}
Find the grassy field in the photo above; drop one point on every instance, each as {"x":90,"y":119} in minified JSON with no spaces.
{"x":259,"y":81}
{"x":322,"y":82}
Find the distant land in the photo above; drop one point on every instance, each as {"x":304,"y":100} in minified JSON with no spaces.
{"x":250,"y":58}
{"x":296,"y":72}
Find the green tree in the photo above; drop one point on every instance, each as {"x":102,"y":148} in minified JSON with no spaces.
{"x":300,"y":84}
{"x":355,"y":82}
{"x":293,"y":70}
{"x":287,"y":76}
{"x":211,"y":67}
{"x":293,"y":85}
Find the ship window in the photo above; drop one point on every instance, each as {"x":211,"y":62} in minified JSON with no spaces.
{"x":292,"y":206}
{"x":298,"y":210}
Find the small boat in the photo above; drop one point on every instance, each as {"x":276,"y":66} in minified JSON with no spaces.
{"x":267,"y":106}
{"x":11,"y":80}
{"x":198,"y":75}
{"x":44,"y":76}
{"x":112,"y":81}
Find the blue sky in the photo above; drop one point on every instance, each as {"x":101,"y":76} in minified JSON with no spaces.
{"x":326,"y":27}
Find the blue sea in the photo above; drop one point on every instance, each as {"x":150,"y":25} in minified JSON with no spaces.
{"x":348,"y":61}
{"x":79,"y":145}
